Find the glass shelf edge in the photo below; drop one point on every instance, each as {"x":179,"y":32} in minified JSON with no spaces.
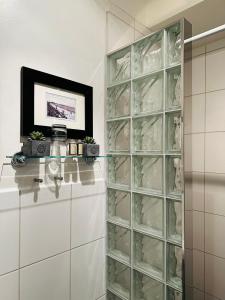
{"x":63,"y":156}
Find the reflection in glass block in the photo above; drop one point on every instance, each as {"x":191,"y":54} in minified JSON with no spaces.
{"x":148,"y":94}
{"x":173,"y":97}
{"x":148,"y":254}
{"x":119,"y":65}
{"x":148,"y":133}
{"x":119,"y":135}
{"x":118,"y":101}
{"x":174,"y":178}
{"x":119,"y":170}
{"x":148,"y":54}
{"x":119,"y":278}
{"x":119,"y":242}
{"x":148,"y":173}
{"x":173,"y":132}
{"x":174,"y":44}
{"x":173,"y":294}
{"x":111,"y":296}
{"x":146,"y":288}
{"x":174,"y":220}
{"x":119,"y":206}
{"x":148,"y":213}
{"x":174,"y":265}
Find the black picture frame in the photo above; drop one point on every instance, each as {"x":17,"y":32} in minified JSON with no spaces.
{"x":30,"y":77}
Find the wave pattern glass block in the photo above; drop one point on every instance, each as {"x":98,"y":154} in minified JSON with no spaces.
{"x":119,"y":135}
{"x":118,"y":101}
{"x":174,"y":44}
{"x":146,"y":288}
{"x":119,"y":206}
{"x":173,"y":95}
{"x":148,"y":213}
{"x":119,"y":276}
{"x":148,"y":94}
{"x":148,"y":173}
{"x":111,"y":296}
{"x":148,"y":254}
{"x":148,"y":54}
{"x":174,"y":220}
{"x":119,"y":242}
{"x":174,"y":176}
{"x":174,"y":265}
{"x":119,"y":170}
{"x":119,"y":66}
{"x":148,"y":133}
{"x":173,"y":294}
{"x":173,"y":132}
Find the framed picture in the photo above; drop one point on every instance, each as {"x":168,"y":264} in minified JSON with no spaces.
{"x":47,"y":99}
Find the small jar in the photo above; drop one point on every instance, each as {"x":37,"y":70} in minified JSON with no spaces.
{"x":73,"y":149}
{"x":59,"y":132}
{"x":80,"y":148}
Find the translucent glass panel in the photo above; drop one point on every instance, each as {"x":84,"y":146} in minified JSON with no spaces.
{"x":174,"y":176}
{"x":119,"y":276}
{"x":148,"y":213}
{"x":174,"y":220}
{"x":148,"y":94}
{"x":148,"y":173}
{"x":174,"y":132}
{"x":174,"y":44}
{"x":111,"y":296}
{"x":119,"y":242}
{"x":118,"y":101}
{"x":119,"y":135}
{"x":148,"y":133}
{"x":174,"y":265}
{"x":146,"y":288}
{"x":119,"y":66}
{"x":148,"y":54}
{"x":173,"y":294}
{"x":173,"y":90}
{"x":119,"y":170}
{"x":119,"y":206}
{"x":149,"y":254}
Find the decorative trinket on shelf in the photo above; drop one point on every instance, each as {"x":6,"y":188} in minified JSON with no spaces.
{"x":36,"y":145}
{"x":80,"y":146}
{"x":90,"y":148}
{"x":73,"y":148}
{"x":59,"y":132}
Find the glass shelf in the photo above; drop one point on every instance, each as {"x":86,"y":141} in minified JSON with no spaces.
{"x":63,"y":156}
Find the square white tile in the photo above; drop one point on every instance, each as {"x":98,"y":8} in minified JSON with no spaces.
{"x":81,"y":190}
{"x":194,"y":152}
{"x":214,"y":152}
{"x":45,"y":231}
{"x":9,"y":286}
{"x":9,"y":199}
{"x":198,"y":270}
{"x":194,"y":191}
{"x":46,"y":280}
{"x":88,"y":271}
{"x":215,"y":107}
{"x":215,"y":70}
{"x":198,"y":230}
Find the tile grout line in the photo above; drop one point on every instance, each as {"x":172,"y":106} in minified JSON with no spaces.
{"x":19,"y":275}
{"x":204,"y":179}
{"x":70,"y":282}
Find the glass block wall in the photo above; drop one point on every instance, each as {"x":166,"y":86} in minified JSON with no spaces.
{"x":145,"y":174}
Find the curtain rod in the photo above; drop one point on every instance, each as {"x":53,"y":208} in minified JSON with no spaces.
{"x":204,"y":34}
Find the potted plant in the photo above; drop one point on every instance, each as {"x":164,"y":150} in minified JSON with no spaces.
{"x":90,"y":148}
{"x":36,"y":145}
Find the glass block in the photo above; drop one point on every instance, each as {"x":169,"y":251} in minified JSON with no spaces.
{"x":173,"y":294}
{"x":148,"y":254}
{"x":119,"y":135}
{"x":148,"y":173}
{"x":174,"y":132}
{"x":119,"y":242}
{"x":174,"y":220}
{"x":174,"y":44}
{"x":174,"y":176}
{"x":119,"y":276}
{"x":148,"y":213}
{"x":148,"y":133}
{"x":119,"y":66}
{"x":111,"y":296}
{"x":118,"y":101}
{"x":146,"y":288}
{"x":174,"y":265}
{"x":148,"y":54}
{"x":119,"y":206}
{"x":119,"y":170}
{"x":174,"y":91}
{"x":148,"y":94}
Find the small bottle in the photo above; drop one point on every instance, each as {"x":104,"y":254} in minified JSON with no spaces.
{"x":80,"y":148}
{"x":73,"y":149}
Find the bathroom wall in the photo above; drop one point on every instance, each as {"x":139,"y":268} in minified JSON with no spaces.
{"x":205,"y":171}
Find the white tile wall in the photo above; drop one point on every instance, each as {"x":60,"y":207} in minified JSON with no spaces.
{"x":9,"y":286}
{"x":46,"y":280}
{"x":194,"y":152}
{"x":214,"y":152}
{"x":88,"y":271}
{"x":198,"y":269}
{"x":215,"y":107}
